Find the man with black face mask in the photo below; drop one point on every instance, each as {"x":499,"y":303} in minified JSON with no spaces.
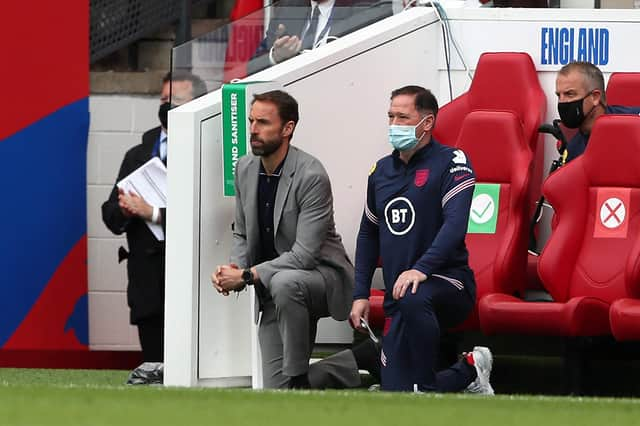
{"x":582,"y":99}
{"x":127,"y":212}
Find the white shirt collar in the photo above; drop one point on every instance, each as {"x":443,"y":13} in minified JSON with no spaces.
{"x":325,"y":7}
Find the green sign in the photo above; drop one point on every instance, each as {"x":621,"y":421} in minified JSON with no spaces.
{"x":234,"y":133}
{"x":485,"y":205}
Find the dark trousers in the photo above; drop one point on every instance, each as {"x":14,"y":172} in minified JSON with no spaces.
{"x":410,"y":347}
{"x":151,"y":334}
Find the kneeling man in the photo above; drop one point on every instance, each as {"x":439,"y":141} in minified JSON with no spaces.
{"x":285,"y":243}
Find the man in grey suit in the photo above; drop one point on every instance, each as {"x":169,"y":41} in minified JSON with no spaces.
{"x":285,"y":243}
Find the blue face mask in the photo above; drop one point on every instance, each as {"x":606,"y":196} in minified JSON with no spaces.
{"x":402,"y":137}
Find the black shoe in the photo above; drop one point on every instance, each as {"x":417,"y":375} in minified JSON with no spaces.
{"x":299,"y":382}
{"x":367,"y":356}
{"x":147,"y":373}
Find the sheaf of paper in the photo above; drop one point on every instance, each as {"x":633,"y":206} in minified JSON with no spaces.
{"x":149,"y":181}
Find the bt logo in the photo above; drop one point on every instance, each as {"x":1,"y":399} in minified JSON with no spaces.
{"x":399,"y":215}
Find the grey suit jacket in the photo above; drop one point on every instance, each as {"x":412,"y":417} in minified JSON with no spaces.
{"x":304,"y":230}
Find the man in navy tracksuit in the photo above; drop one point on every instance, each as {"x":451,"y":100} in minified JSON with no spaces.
{"x":415,"y":219}
{"x":582,"y":99}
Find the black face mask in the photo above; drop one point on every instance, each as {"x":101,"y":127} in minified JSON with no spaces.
{"x":163,"y":114}
{"x":571,"y":113}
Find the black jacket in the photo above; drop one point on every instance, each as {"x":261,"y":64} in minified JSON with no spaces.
{"x":145,"y":265}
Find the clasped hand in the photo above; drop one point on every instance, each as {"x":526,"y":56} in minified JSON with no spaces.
{"x":131,"y":204}
{"x":227,"y":278}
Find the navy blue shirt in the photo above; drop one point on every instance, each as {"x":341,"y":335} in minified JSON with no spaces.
{"x":267,"y":189}
{"x":416,"y":217}
{"x":578,"y":143}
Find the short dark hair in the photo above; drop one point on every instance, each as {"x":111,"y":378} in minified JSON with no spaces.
{"x":285,"y":103}
{"x":593,"y":77}
{"x":198,"y":86}
{"x":425,"y":101}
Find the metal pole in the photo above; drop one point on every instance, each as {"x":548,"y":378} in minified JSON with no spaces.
{"x":183,"y":30}
{"x":181,"y":55}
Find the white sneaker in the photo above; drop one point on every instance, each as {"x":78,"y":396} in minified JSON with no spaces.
{"x":483,"y":361}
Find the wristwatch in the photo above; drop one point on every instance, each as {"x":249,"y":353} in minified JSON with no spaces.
{"x":247,"y":276}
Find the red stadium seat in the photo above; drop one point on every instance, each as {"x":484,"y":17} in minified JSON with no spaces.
{"x":376,"y":312}
{"x":503,"y":81}
{"x":623,"y":88}
{"x":494,"y":142}
{"x":591,"y":259}
{"x":624,"y":317}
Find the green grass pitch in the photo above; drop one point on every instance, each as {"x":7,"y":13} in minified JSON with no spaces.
{"x":83,"y":397}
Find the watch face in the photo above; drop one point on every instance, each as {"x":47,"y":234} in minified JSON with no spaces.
{"x":247,"y":276}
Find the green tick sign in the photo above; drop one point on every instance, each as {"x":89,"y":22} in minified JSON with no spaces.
{"x":483,"y":216}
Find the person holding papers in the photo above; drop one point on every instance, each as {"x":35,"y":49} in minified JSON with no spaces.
{"x":127,"y":212}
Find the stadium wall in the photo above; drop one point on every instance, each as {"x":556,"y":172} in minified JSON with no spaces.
{"x":43,"y":142}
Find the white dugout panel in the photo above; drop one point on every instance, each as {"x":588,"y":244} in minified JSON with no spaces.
{"x":343,"y":91}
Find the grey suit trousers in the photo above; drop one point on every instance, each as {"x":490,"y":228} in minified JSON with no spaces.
{"x":338,"y":371}
{"x":294,"y":302}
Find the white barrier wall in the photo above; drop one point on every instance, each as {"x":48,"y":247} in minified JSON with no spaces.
{"x":343,"y":90}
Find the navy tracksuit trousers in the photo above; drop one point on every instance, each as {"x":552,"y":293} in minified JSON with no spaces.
{"x":410,"y":346}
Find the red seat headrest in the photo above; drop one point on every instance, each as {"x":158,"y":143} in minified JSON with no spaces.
{"x":623,"y":88}
{"x":505,"y":80}
{"x":494,"y":142}
{"x":611,"y":157}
